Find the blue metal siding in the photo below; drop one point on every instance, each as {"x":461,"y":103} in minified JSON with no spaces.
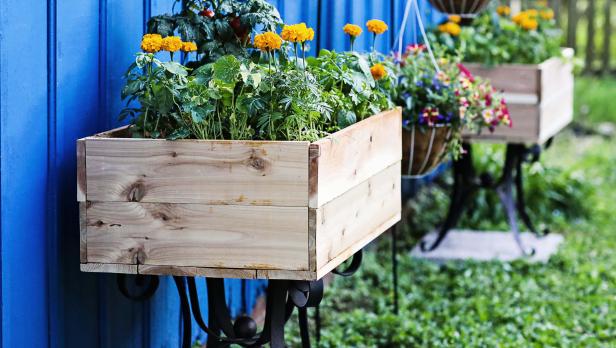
{"x":61,"y":66}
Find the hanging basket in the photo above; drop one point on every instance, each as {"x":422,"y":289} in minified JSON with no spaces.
{"x":423,"y":151}
{"x":464,"y":8}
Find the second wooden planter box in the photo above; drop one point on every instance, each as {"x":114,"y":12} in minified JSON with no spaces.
{"x":238,"y":209}
{"x":540,"y":99}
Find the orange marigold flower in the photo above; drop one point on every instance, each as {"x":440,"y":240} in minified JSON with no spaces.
{"x":172,"y":44}
{"x":268,"y":41}
{"x":378,"y":71}
{"x":547,"y":14}
{"x":151,"y":43}
{"x":376,"y":26}
{"x":450,"y":28}
{"x":189,"y":46}
{"x":518,"y":18}
{"x":455,"y":18}
{"x":503,"y":10}
{"x":532,"y":13}
{"x":352,"y":30}
{"x":297,"y":33}
{"x":529,"y":24}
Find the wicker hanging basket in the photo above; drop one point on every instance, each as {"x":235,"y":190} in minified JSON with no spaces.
{"x":423,"y":151}
{"x":464,"y":8}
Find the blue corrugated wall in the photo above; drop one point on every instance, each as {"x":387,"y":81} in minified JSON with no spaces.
{"x":61,"y":66}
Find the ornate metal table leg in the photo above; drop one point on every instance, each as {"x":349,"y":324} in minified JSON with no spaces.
{"x":520,"y":201}
{"x":283,"y":296}
{"x":463,"y":188}
{"x":514,"y":156}
{"x":149,"y":282}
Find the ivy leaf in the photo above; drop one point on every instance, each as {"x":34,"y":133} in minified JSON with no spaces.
{"x":175,"y":68}
{"x":180,"y":133}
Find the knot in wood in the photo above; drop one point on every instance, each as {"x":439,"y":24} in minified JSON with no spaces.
{"x":258,"y":163}
{"x":135,"y":192}
{"x":138,"y":255}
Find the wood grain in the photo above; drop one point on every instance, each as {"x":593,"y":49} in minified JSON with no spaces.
{"x":349,"y":222}
{"x":525,"y":128}
{"x":81,"y":170}
{"x":83,"y":239}
{"x":558,"y":113}
{"x":198,"y":235}
{"x":208,"y":172}
{"x":198,"y":272}
{"x":511,"y":78}
{"x":108,"y":268}
{"x":359,"y":244}
{"x":354,"y":154}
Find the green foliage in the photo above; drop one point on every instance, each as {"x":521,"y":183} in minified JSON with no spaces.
{"x":492,"y":40}
{"x":591,"y":96}
{"x":157,"y":91}
{"x":349,"y":88}
{"x":218,"y":27}
{"x":567,"y":302}
{"x":234,"y":99}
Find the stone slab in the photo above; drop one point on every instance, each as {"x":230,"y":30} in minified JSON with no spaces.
{"x":489,"y":246}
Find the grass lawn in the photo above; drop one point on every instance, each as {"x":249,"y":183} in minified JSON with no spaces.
{"x":568,"y":302}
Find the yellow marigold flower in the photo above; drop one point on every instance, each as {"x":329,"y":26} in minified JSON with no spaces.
{"x":518,"y":18}
{"x":309,"y":34}
{"x":268,"y":41}
{"x":353,"y":30}
{"x":450,"y":28}
{"x":532,"y":13}
{"x":455,"y":18}
{"x":172,"y":44}
{"x":376,"y":26}
{"x":378,"y":71}
{"x":547,"y":14}
{"x":503,"y":10}
{"x":529,"y":24}
{"x":189,"y":46}
{"x":297,"y":33}
{"x":151,"y":43}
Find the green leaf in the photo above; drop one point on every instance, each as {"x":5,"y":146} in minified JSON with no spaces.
{"x":346,"y":118}
{"x":226,"y":69}
{"x":175,"y":68}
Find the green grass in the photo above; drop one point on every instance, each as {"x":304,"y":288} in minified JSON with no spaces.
{"x":594,"y":99}
{"x":568,"y":302}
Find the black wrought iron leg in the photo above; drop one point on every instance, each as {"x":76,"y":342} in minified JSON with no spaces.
{"x":505,"y":193}
{"x":302,"y":314}
{"x":394,"y":265}
{"x":276,"y":305}
{"x":521,"y":202}
{"x":463,"y":188}
{"x":185,"y":311}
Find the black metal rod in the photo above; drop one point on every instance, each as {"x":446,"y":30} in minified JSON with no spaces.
{"x":185,"y":312}
{"x":394,"y":266}
{"x":302,"y":314}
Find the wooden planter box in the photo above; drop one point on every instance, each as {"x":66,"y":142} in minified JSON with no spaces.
{"x":237,"y":209}
{"x":540,"y":99}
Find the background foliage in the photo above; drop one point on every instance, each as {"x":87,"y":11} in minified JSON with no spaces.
{"x":568,"y":302}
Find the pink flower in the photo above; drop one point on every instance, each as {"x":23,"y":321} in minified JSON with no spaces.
{"x":466,"y":72}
